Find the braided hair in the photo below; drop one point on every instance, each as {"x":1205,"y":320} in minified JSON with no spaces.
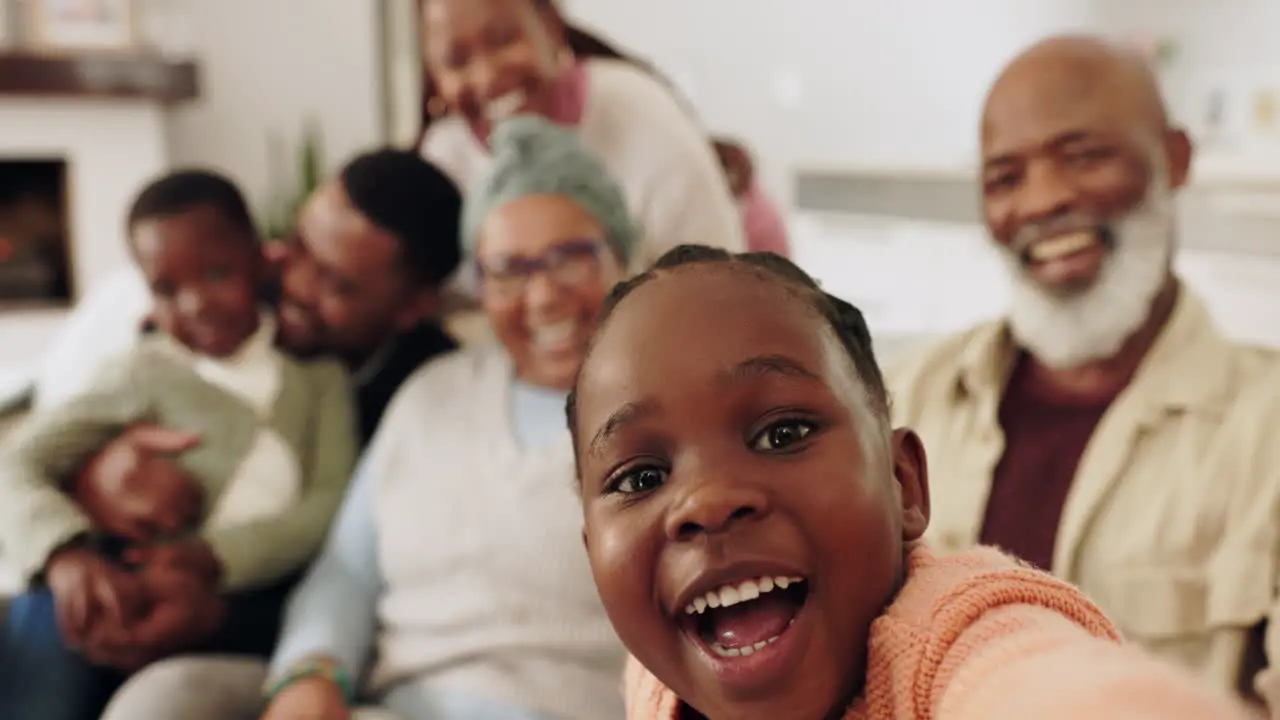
{"x":846,"y":320}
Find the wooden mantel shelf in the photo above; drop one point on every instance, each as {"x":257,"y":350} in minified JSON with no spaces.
{"x":140,"y":77}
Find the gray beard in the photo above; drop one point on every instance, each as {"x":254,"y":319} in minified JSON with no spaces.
{"x":1066,"y":331}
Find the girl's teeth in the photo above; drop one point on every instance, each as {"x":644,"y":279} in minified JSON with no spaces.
{"x":744,"y":591}
{"x":723,"y":651}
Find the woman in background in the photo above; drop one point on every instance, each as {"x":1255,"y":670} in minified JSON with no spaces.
{"x":489,"y":59}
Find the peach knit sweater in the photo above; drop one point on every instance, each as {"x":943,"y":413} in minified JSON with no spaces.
{"x":980,"y":637}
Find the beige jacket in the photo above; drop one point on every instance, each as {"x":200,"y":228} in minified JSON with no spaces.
{"x":1172,"y":523}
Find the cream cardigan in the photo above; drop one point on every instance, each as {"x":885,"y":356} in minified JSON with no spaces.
{"x":487,"y":590}
{"x":655,"y":150}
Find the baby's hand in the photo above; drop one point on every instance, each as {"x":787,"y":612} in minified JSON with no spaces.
{"x":134,"y":489}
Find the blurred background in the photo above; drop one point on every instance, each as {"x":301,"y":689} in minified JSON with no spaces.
{"x":861,"y":114}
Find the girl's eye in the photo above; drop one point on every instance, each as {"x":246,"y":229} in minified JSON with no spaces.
{"x":781,"y":434}
{"x":639,"y":480}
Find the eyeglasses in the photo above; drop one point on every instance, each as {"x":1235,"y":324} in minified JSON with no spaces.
{"x":568,"y":264}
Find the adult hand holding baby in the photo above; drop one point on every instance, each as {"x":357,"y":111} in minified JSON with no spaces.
{"x":183,"y":608}
{"x":180,"y":616}
{"x":89,"y":590}
{"x":133,"y":489}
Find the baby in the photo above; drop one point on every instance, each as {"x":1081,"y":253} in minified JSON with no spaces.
{"x":276,"y":446}
{"x":754,"y":528}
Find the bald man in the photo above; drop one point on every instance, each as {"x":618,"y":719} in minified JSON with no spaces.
{"x":1104,"y":429}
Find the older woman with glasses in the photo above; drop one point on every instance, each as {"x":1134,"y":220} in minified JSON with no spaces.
{"x":454,"y":584}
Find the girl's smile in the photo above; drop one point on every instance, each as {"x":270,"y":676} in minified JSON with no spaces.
{"x":746,"y":621}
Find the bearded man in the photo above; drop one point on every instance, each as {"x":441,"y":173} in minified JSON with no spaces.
{"x":1105,"y":430}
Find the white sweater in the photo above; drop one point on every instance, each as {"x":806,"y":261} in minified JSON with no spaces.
{"x":488,"y":590}
{"x":648,"y":141}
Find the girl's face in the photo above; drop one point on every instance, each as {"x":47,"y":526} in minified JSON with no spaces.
{"x":745,"y":514}
{"x":545,"y":267}
{"x":491,"y":59}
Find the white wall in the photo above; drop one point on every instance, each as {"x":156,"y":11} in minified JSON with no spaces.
{"x":857,"y":83}
{"x":836,"y":82}
{"x":272,"y":66}
{"x":1228,"y":46}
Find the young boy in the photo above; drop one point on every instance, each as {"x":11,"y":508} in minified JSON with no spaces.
{"x":753,"y":525}
{"x":277,"y":444}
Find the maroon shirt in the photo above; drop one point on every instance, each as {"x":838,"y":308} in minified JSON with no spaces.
{"x":1044,"y":440}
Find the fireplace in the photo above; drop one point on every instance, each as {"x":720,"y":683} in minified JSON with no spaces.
{"x":35,"y":242}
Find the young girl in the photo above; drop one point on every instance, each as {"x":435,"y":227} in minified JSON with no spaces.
{"x":753,"y":525}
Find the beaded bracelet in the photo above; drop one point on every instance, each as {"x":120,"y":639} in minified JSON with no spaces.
{"x":324,"y":669}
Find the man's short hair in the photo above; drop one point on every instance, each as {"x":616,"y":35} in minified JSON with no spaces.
{"x":413,"y":200}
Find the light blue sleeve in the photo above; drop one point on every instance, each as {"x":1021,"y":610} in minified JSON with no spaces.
{"x":333,"y":612}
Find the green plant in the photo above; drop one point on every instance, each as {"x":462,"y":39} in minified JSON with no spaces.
{"x":290,"y":187}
